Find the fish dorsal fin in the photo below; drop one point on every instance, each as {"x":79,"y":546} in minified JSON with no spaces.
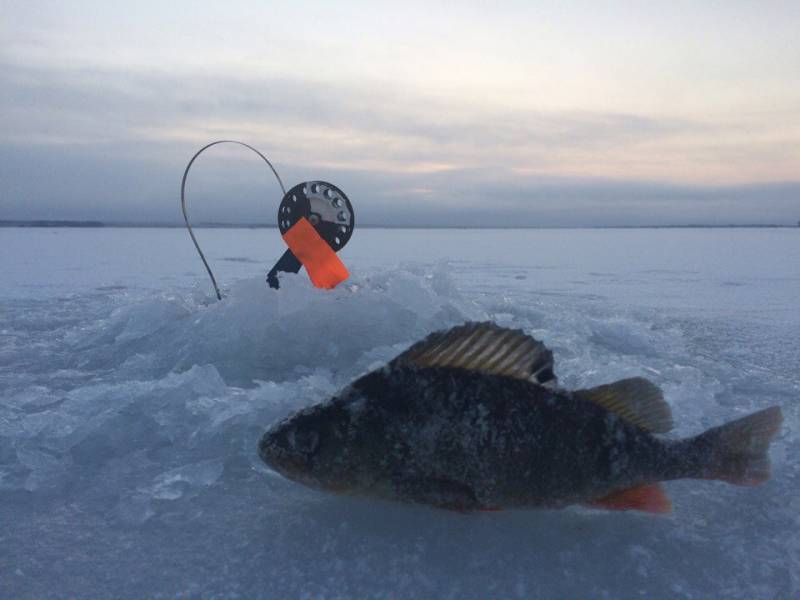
{"x":636,"y":400}
{"x":484,"y":347}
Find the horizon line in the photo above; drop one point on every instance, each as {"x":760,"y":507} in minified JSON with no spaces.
{"x":91,"y":224}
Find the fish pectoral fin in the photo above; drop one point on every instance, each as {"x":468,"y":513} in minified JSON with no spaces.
{"x":440,"y":493}
{"x":487,"y":348}
{"x":636,"y":400}
{"x":647,"y":498}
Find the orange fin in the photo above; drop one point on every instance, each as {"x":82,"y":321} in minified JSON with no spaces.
{"x":647,"y":498}
{"x":323,"y":266}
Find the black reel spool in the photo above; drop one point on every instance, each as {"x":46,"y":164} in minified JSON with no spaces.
{"x":328,"y":210}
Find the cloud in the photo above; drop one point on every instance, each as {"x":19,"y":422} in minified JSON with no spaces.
{"x":111,"y":144}
{"x":332,"y":123}
{"x":48,"y":183}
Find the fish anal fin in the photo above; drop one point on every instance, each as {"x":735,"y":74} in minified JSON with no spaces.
{"x":484,"y":347}
{"x":636,"y":400}
{"x":647,"y":498}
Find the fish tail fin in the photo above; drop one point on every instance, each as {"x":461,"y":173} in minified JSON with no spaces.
{"x":737,"y":452}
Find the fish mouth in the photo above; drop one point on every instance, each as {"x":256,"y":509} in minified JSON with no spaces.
{"x":284,"y":462}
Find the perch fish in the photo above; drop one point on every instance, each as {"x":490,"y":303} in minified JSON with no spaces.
{"x":473,"y":419}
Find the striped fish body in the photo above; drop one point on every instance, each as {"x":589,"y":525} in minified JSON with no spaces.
{"x":469,"y":440}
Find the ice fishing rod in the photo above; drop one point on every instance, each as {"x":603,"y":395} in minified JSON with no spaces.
{"x":315,"y":219}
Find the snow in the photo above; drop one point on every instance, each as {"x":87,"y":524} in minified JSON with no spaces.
{"x":132,"y":403}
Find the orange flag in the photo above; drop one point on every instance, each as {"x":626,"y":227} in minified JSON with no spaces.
{"x":323,"y":266}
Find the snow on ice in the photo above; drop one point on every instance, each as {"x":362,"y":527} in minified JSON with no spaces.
{"x":132,"y":404}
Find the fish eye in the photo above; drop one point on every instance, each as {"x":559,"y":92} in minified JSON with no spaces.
{"x":306,"y":441}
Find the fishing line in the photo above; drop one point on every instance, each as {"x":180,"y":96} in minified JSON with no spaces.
{"x":183,"y":200}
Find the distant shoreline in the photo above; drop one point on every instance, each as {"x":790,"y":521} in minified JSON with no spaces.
{"x":101,"y":224}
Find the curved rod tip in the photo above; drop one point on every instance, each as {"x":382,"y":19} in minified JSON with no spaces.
{"x":183,"y":200}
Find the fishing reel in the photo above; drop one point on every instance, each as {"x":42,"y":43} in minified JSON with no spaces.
{"x":315,"y":219}
{"x":327,"y":209}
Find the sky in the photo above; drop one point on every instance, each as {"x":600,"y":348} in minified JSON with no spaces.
{"x":424,"y":113}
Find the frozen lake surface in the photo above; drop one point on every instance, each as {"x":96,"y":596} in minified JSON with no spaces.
{"x":131,"y":403}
